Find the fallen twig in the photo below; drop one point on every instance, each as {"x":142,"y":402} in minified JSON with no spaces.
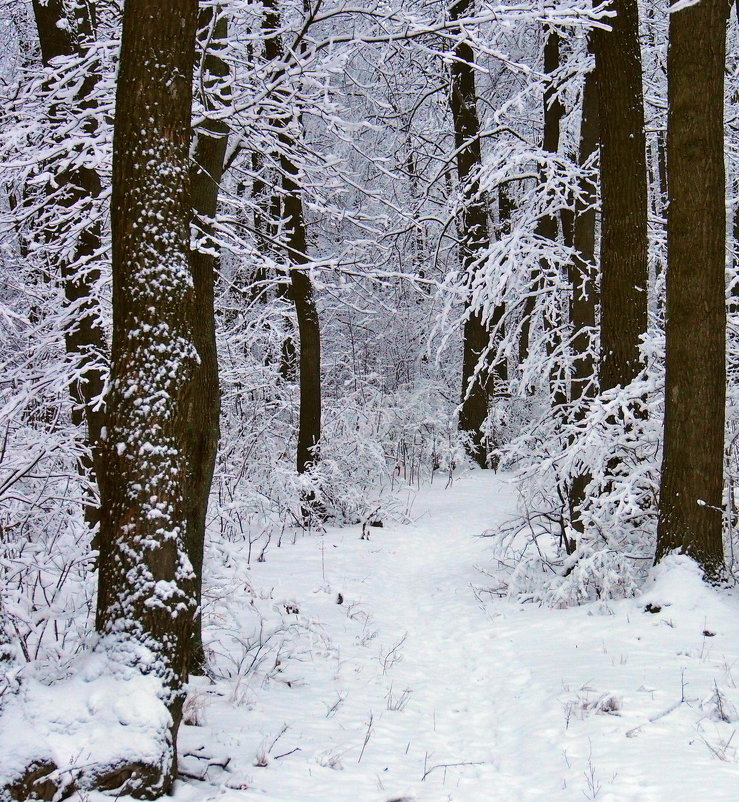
{"x":451,"y":765}
{"x":285,"y":754}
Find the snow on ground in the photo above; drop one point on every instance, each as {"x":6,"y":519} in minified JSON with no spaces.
{"x":413,"y":689}
{"x":101,"y":715}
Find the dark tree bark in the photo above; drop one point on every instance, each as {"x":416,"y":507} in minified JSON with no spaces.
{"x":497,"y":327}
{"x":309,"y":433}
{"x":623,"y":189}
{"x":419,"y":232}
{"x":583,"y":299}
{"x":211,"y":142}
{"x":659,"y":175}
{"x":547,"y":226}
{"x":84,"y":337}
{"x":477,"y":385}
{"x":55,"y":34}
{"x":578,"y":231}
{"x":301,"y":287}
{"x":733,"y":289}
{"x":690,"y":516}
{"x":146,"y":586}
{"x":267,"y":210}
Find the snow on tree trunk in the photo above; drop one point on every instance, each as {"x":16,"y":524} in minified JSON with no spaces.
{"x":146,"y":586}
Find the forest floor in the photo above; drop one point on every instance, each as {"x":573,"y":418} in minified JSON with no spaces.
{"x":418,"y":686}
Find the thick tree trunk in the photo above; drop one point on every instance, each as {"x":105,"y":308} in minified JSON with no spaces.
{"x":84,"y":337}
{"x":623,"y":189}
{"x":477,"y":381}
{"x":211,"y":142}
{"x":146,"y":588}
{"x":690,"y":516}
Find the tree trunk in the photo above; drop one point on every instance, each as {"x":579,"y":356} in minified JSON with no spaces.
{"x":583,"y":299}
{"x":301,"y":287}
{"x":309,"y":433}
{"x":733,"y":288}
{"x":211,"y":142}
{"x":84,"y":337}
{"x":146,"y":585}
{"x":583,"y":292}
{"x":623,"y":188}
{"x":477,"y":382}
{"x":690,"y":516}
{"x":547,"y":226}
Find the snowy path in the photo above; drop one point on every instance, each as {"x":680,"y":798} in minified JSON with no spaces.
{"x":411,"y":690}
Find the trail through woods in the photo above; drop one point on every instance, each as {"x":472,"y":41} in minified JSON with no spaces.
{"x":417,"y":686}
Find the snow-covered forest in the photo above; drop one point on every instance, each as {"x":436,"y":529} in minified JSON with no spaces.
{"x":369,"y":400}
